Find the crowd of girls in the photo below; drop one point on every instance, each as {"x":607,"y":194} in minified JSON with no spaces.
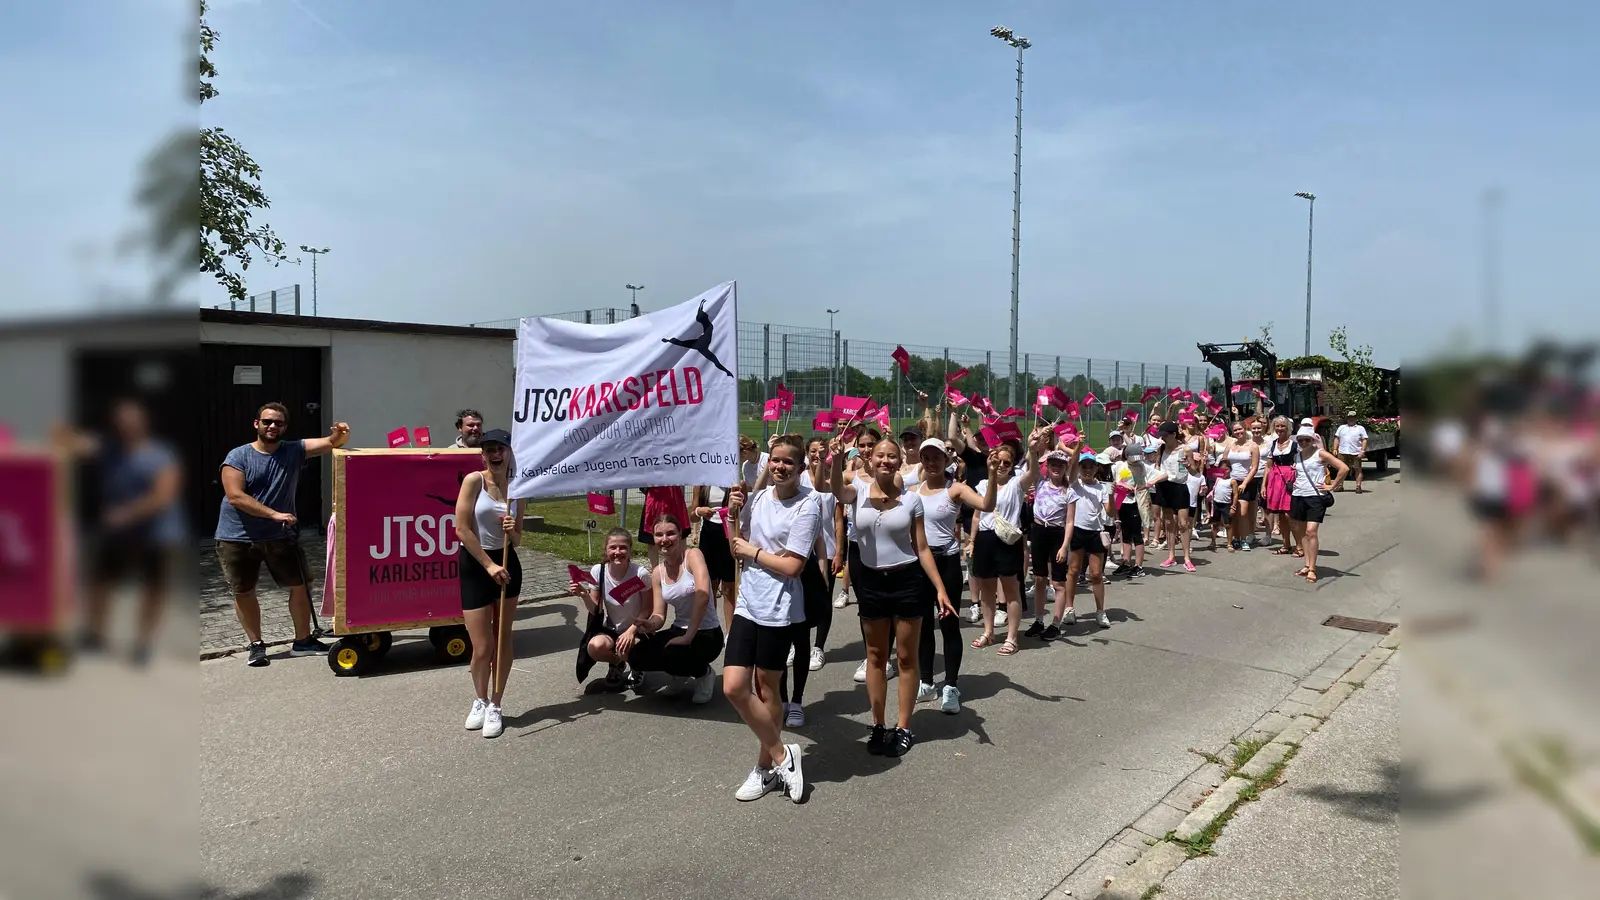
{"x":750,"y":573}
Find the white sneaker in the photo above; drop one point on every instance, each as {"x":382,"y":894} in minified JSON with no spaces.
{"x":793,"y":715}
{"x":475,"y":717}
{"x":840,"y":601}
{"x":704,"y":687}
{"x":974,"y":614}
{"x":925,"y":692}
{"x":791,"y":774}
{"x":861,"y":673}
{"x":492,"y":725}
{"x":816,"y":658}
{"x":789,"y":664}
{"x":890,"y":670}
{"x":950,"y":702}
{"x":1000,"y":618}
{"x":1103,"y":620}
{"x":757,"y":785}
{"x":1071,"y":616}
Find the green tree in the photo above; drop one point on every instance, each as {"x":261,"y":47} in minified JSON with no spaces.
{"x":1251,"y":370}
{"x":1359,"y":389}
{"x":230,"y":193}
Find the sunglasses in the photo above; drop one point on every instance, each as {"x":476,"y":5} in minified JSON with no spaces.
{"x":272,"y":423}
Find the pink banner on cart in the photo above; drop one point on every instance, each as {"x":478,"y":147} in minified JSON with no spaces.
{"x":32,"y":532}
{"x":400,"y":547}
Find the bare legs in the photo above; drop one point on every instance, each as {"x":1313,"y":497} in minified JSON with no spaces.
{"x":763,"y":715}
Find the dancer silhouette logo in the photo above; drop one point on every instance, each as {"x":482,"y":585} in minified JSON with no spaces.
{"x":638,"y":402}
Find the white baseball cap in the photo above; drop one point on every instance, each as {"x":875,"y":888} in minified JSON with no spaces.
{"x":934,"y":444}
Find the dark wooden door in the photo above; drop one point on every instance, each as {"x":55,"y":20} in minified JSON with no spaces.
{"x":160,"y":378}
{"x":289,"y":375}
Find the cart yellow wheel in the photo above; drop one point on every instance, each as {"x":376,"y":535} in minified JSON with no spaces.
{"x":350,"y":655}
{"x":50,"y":658}
{"x":454,"y":644}
{"x":379,"y":642}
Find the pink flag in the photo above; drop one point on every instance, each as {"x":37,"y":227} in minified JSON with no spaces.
{"x":822,"y":421}
{"x":579,"y":575}
{"x":1114,"y":406}
{"x":5,"y":435}
{"x":849,"y":434}
{"x":1214,"y":406}
{"x":1150,"y":394}
{"x":1012,"y":412}
{"x":991,"y":438}
{"x":1152,"y":431}
{"x":955,"y":376}
{"x":785,"y":398}
{"x":1205,"y":397}
{"x":1186,"y":418}
{"x":1191,"y":407}
{"x":991,"y":421}
{"x":770,"y":411}
{"x":883,"y":419}
{"x":1043,"y":398}
{"x":1217,"y":432}
{"x":954,"y":397}
{"x":849,"y":406}
{"x":422,"y":436}
{"x":1238,"y":387}
{"x":903,"y":360}
{"x":1072,"y":409}
{"x":868,"y":410}
{"x":1174,"y":393}
{"x":399,"y":438}
{"x":1067,"y":432}
{"x":1187,"y":395}
{"x":1090,"y":398}
{"x":628,"y":588}
{"x":1008,"y":431}
{"x":602,"y":504}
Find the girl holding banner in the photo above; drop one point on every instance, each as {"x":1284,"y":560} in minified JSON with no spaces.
{"x":777,"y":527}
{"x":485,"y":524}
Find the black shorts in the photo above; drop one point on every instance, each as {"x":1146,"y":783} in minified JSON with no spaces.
{"x":1307,"y":509}
{"x":994,"y":558}
{"x":478,"y":589}
{"x":1221,"y":512}
{"x":1025,"y":520}
{"x":902,"y":592}
{"x":1490,"y":509}
{"x":752,"y":646}
{"x":1132,"y":523}
{"x":714,"y":547}
{"x":118,"y":556}
{"x":1046,"y":540}
{"x":1250,"y":491}
{"x":1086,"y":540}
{"x":241,"y":563}
{"x":1170,"y":495}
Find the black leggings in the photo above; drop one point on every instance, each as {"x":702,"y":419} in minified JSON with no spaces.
{"x":949,"y":626}
{"x":819,"y":615}
{"x":690,"y":661}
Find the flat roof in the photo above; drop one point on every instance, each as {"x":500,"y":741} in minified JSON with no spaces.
{"x":281,"y":320}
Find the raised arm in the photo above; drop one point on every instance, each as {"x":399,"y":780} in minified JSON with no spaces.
{"x":338,"y":435}
{"x":844,"y":491}
{"x":970,"y":497}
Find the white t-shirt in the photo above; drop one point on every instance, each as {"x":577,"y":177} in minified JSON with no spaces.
{"x":1132,"y":475}
{"x":884,"y":536}
{"x":620,"y":616}
{"x":748,"y":473}
{"x":1350,"y":438}
{"x":1007,"y":503}
{"x":1050,"y":503}
{"x":1090,"y":501}
{"x":826,"y":504}
{"x":776,"y":526}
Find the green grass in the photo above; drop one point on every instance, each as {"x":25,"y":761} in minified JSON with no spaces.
{"x":799,"y":424}
{"x":1150,"y":892}
{"x":1203,"y":843}
{"x":1243,"y":751}
{"x":562,"y":533}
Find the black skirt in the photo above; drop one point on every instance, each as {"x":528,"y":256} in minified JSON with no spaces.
{"x":714,"y":547}
{"x":478,"y":589}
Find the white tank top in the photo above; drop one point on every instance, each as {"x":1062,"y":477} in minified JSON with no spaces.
{"x":486,"y":513}
{"x":940,"y":513}
{"x":680,"y":596}
{"x":1050,"y":504}
{"x":1239,"y":462}
{"x":912,"y":478}
{"x":1309,"y":474}
{"x":1173,"y":465}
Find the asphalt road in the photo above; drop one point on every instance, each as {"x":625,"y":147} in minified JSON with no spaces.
{"x":312,"y":786}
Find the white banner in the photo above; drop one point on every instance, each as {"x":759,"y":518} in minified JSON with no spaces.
{"x":646,"y":402}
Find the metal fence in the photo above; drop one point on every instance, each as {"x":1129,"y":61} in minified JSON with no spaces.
{"x":284,"y":300}
{"x":816,"y":364}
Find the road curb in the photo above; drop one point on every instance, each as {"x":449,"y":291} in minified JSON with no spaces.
{"x":1283,"y":736}
{"x":219,"y":652}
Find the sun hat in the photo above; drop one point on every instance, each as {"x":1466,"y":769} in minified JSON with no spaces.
{"x":1057,"y":456}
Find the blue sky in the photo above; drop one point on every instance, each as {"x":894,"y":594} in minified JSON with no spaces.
{"x":469,"y":162}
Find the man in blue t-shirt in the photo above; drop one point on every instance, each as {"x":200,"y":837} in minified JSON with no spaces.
{"x":257,"y":525}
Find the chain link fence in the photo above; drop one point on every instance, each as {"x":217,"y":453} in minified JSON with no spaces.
{"x":816,"y":364}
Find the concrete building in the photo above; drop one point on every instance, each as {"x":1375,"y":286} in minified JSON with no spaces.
{"x":377,"y":376}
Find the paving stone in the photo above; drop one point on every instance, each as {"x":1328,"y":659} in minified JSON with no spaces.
{"x":1151,"y":869}
{"x":1293,"y":709}
{"x":1318,"y":683}
{"x":1186,"y":796}
{"x":1272,"y":723}
{"x":1214,"y":805}
{"x":1211,"y":775}
{"x":1298,"y":730}
{"x":1265,"y":758}
{"x":1120,"y":853}
{"x":1331,"y":700}
{"x":1303,"y":695}
{"x":1159,"y":820}
{"x":1366,"y":668}
{"x":1088,"y":880}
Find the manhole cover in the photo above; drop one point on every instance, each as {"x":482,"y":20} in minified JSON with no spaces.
{"x":1371,"y":625}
